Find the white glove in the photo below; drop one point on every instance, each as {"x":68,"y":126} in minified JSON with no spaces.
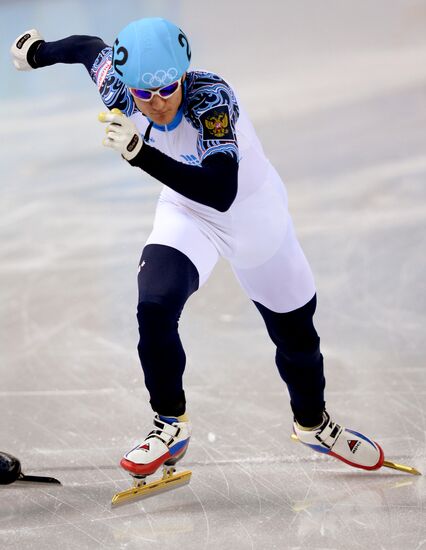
{"x":122,"y":134}
{"x":20,"y":47}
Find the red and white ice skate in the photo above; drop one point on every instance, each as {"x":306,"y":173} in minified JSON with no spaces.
{"x":347,"y":445}
{"x":164,"y":446}
{"x":351,"y":447}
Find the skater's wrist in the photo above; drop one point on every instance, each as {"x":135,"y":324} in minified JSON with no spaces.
{"x":32,"y":54}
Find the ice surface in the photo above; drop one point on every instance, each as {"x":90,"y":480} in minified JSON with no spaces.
{"x":337,"y":94}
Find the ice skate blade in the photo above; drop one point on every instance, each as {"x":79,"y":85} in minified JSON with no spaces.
{"x":166,"y":483}
{"x":401,"y":468}
{"x":386,"y":463}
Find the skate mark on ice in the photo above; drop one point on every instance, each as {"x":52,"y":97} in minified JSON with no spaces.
{"x":354,"y":496}
{"x":304,"y":503}
{"x":95,"y":466}
{"x":219,"y":465}
{"x":288,"y":459}
{"x":36,"y":336}
{"x":66,"y":445}
{"x":215,"y":463}
{"x":65,"y":520}
{"x":62,"y":393}
{"x":205,"y":514}
{"x":114,"y":346}
{"x":254,"y":480}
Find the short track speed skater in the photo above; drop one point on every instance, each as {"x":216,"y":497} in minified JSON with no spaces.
{"x":163,"y":447}
{"x":349,"y":446}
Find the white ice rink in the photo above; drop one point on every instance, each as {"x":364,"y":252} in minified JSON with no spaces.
{"x":336,"y":89}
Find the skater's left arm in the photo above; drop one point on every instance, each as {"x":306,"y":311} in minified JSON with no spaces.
{"x":214,"y":182}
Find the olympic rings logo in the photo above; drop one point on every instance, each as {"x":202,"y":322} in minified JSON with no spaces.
{"x":160,"y":77}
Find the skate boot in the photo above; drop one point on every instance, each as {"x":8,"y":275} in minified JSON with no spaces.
{"x":349,"y":446}
{"x":164,"y":446}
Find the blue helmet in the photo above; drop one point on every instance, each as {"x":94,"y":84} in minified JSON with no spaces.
{"x":150,"y":53}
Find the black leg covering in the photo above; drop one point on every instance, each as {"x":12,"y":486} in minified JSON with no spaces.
{"x":298,"y":359}
{"x":166,"y":280}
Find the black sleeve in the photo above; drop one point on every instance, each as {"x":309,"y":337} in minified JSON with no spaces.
{"x":96,"y":56}
{"x":214,"y":183}
{"x":74,"y":49}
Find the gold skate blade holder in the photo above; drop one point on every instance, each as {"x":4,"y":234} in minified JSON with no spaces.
{"x":141,"y":489}
{"x":386,"y":463}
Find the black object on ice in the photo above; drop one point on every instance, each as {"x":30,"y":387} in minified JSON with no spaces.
{"x":10,"y":471}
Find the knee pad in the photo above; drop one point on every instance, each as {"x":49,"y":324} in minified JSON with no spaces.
{"x":166,"y":277}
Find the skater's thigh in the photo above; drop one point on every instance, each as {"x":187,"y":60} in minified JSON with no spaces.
{"x":175,"y":228}
{"x":284,"y":282}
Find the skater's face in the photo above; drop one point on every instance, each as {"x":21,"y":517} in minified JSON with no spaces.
{"x":160,"y":110}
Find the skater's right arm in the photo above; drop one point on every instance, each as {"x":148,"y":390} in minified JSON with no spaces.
{"x":31,"y":51}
